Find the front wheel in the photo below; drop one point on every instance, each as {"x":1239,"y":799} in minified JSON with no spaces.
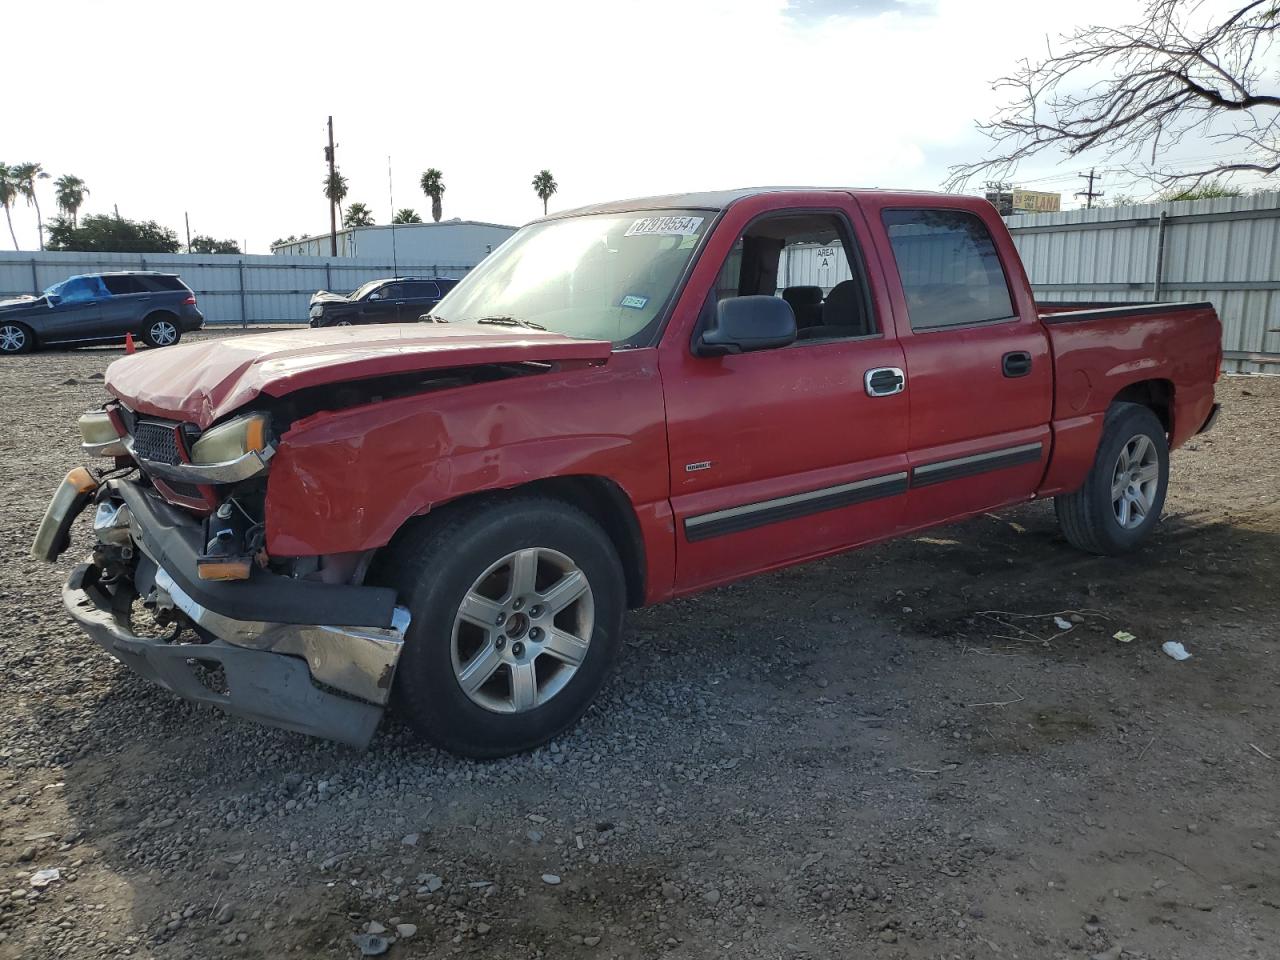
{"x":16,"y":338}
{"x":1120,"y":502}
{"x":516,"y":613}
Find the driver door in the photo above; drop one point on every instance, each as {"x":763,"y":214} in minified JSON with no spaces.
{"x":783,"y":454}
{"x":78,"y":314}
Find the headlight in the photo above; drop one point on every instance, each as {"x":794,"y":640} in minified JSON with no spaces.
{"x":99,"y":437}
{"x":233,"y":439}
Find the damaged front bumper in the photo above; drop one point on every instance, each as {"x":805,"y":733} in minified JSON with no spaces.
{"x":255,"y":648}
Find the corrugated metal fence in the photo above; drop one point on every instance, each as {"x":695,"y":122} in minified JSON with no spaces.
{"x":230,"y":288}
{"x":1226,"y":251}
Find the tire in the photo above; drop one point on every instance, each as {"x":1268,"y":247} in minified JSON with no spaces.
{"x":161,"y":330}
{"x":16,"y":338}
{"x":1114,"y":513}
{"x":534,"y":691}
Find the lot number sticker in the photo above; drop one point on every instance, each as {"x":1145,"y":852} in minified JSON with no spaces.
{"x":664,"y":227}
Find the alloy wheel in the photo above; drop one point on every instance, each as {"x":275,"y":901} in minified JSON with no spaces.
{"x":1135,"y":481}
{"x":522,"y":630}
{"x":163,"y":333}
{"x":12,"y":339}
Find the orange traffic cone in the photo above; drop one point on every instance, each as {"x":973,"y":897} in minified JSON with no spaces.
{"x":128,"y":343}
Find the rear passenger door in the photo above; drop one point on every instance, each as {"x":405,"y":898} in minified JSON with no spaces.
{"x":781,"y":454}
{"x":130,"y":299}
{"x":979,"y":371}
{"x":418,"y":298}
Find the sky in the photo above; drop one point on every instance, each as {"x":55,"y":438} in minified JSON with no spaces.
{"x":218,"y":109}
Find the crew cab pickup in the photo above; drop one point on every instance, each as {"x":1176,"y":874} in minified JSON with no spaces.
{"x":623,"y":404}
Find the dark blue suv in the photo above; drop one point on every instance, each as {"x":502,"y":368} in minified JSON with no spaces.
{"x":101,"y":308}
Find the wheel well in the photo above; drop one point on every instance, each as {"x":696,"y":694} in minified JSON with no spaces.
{"x":1156,"y":394}
{"x":158,"y":315}
{"x":601,"y":499}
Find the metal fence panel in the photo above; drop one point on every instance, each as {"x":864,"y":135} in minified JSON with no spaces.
{"x":1225,"y":250}
{"x":230,"y":288}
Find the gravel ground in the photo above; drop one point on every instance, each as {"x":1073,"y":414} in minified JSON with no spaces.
{"x":854,"y":758}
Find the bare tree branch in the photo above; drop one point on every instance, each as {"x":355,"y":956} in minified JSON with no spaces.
{"x":1135,"y":91}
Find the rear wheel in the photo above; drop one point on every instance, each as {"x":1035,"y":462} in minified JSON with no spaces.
{"x":161,"y":330}
{"x":1120,"y":502}
{"x":16,"y":338}
{"x":517,"y":609}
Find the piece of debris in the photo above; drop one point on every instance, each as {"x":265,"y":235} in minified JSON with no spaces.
{"x":370,"y":944}
{"x":550,"y":878}
{"x":406,"y":930}
{"x":42,"y":878}
{"x":1062,"y":624}
{"x":410,"y":840}
{"x":1175,"y":650}
{"x":1124,"y":636}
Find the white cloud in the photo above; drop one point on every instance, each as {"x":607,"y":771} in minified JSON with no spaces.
{"x":219,"y":108}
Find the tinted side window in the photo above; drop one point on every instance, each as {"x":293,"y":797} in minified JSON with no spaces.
{"x":951,"y":273}
{"x":118,"y":286}
{"x":163,"y":283}
{"x":421,"y":290}
{"x":391,"y":291}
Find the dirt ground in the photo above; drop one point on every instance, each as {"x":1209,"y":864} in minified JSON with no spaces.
{"x":857,"y":758}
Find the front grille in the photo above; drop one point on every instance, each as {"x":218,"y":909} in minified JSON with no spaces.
{"x":155,"y":441}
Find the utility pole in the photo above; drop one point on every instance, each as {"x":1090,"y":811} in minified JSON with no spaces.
{"x":1090,"y":193}
{"x":333,"y":210}
{"x":187,"y":217}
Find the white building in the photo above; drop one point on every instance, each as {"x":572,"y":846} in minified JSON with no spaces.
{"x":450,"y":242}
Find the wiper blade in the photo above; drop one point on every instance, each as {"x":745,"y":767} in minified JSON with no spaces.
{"x":431,"y":318}
{"x":511,"y":322}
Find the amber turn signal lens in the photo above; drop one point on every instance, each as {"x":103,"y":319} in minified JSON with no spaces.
{"x":231,"y":569}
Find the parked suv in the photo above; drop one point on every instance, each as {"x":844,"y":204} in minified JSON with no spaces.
{"x":101,"y":308}
{"x":397,"y":300}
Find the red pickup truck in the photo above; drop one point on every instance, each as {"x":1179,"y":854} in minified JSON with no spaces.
{"x":623,"y":404}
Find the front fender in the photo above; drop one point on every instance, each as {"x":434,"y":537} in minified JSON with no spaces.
{"x":348,"y":480}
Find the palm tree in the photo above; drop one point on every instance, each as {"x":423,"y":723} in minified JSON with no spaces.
{"x":544,"y":185}
{"x":71,"y":191}
{"x":25,"y":176}
{"x":8,"y":193}
{"x":432,"y":184}
{"x":335,"y":188}
{"x":358,"y":215}
{"x":406,"y":215}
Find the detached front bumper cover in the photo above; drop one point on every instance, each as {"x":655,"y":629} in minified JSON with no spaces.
{"x":271,"y":681}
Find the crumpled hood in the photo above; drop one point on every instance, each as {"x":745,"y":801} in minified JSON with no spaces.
{"x":202,"y":382}
{"x":324,"y":296}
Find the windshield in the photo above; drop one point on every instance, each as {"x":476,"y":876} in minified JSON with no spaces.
{"x":600,"y":277}
{"x":362,"y":291}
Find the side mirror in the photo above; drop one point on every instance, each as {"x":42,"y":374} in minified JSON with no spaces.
{"x":375,"y":296}
{"x":53,"y":299}
{"x":743,"y":324}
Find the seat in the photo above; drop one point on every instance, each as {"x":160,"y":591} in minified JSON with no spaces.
{"x":844,"y":313}
{"x":806,"y":303}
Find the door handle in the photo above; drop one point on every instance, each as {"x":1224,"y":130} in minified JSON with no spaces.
{"x":884,"y":381}
{"x":1016,"y":364}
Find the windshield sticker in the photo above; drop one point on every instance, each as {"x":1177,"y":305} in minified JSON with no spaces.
{"x":634,"y":302}
{"x":664,"y":227}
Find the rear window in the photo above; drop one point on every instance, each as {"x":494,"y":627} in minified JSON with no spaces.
{"x":951,"y":273}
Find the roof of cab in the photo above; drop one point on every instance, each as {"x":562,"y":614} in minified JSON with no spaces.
{"x":716,"y":199}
